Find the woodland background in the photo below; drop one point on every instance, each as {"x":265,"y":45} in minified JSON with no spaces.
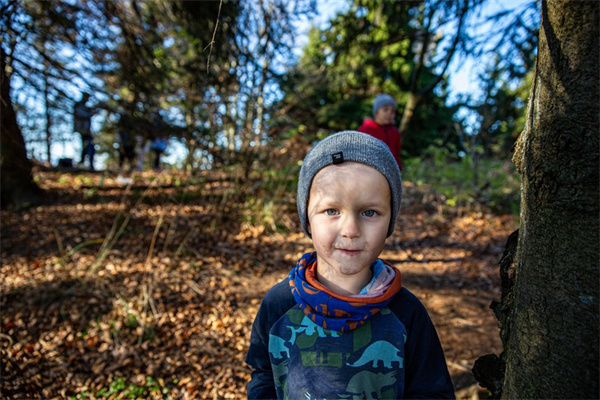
{"x":147,"y":286}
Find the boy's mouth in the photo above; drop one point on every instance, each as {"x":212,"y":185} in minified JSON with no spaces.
{"x":350,"y":252}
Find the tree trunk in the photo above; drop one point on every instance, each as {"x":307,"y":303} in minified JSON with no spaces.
{"x":48,"y":116}
{"x":409,"y":111}
{"x":550,"y":316}
{"x":16,"y":180}
{"x":260,"y":103}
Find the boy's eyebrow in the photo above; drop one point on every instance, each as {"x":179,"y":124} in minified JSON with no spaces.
{"x":326,"y":200}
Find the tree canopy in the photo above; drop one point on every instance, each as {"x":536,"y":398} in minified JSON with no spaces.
{"x":226,"y":78}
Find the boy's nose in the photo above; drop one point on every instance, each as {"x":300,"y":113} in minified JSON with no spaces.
{"x":350,"y":227}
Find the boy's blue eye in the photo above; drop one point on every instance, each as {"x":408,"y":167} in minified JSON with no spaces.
{"x":369,"y":213}
{"x":331,"y":212}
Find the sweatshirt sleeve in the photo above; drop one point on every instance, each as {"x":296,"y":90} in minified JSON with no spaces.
{"x":427,"y":375}
{"x":275,"y":303}
{"x":261,"y":385}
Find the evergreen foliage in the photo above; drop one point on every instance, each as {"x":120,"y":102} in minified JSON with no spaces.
{"x":366,"y":51}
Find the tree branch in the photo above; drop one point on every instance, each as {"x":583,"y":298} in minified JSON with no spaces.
{"x":449,"y":55}
{"x":212,"y":41}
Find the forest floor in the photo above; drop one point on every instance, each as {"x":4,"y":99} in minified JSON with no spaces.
{"x":148,"y":288}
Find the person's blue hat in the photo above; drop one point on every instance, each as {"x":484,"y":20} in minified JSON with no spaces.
{"x":383,"y":100}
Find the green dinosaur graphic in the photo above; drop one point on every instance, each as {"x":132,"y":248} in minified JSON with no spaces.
{"x":369,"y":385}
{"x":280,"y":372}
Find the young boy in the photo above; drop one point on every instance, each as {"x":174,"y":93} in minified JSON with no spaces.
{"x":341,"y":325}
{"x":382,"y":125}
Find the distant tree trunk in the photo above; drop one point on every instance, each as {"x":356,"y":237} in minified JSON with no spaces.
{"x":188,"y":164}
{"x":408,"y":113}
{"x":16,"y":180}
{"x":260,"y":102}
{"x":549,"y":318}
{"x":48,"y":116}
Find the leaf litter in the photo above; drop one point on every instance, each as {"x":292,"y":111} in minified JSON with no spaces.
{"x":149,"y":291}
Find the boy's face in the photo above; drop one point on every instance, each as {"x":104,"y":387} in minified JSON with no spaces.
{"x":349,"y":211}
{"x":385,"y":115}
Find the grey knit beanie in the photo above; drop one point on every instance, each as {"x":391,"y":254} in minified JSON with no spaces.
{"x":349,"y":146}
{"x":383,"y":100}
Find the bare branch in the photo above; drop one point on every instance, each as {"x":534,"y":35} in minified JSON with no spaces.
{"x":212,"y":41}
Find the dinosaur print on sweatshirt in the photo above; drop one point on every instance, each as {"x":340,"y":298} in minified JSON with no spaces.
{"x":309,"y":328}
{"x":321,"y":363}
{"x":277,"y":347}
{"x":369,"y":385}
{"x":380,"y":351}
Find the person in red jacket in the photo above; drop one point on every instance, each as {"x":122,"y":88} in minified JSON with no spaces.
{"x":382,"y":125}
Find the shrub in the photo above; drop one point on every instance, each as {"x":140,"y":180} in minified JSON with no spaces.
{"x":455,"y":182}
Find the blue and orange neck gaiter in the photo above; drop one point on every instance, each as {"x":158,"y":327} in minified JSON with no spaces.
{"x":331,"y":310}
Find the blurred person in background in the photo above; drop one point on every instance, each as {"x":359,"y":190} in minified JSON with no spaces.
{"x":381,"y":126}
{"x":82,"y":124}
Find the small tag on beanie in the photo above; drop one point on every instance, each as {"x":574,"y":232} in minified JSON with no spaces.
{"x":338,"y":158}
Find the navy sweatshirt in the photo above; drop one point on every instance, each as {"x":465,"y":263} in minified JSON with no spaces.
{"x":396,"y":354}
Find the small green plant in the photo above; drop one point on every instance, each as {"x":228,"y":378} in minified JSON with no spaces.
{"x":83,"y":180}
{"x":90,"y":193}
{"x":132,"y":321}
{"x":121,"y":389}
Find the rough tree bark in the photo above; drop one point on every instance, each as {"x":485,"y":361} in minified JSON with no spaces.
{"x":16,"y":180}
{"x":549,"y":315}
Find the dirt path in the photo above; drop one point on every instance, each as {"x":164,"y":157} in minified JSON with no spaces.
{"x":106,"y":295}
